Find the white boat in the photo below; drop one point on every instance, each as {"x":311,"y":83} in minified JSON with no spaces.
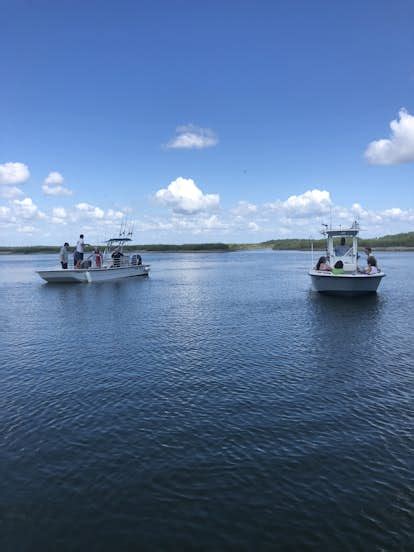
{"x":353,"y":281}
{"x":101,"y":268}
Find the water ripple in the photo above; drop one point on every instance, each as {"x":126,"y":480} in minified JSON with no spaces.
{"x":219,"y":404}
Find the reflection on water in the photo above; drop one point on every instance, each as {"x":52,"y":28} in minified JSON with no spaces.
{"x":218,"y":402}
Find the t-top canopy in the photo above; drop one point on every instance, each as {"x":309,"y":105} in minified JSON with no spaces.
{"x":341,"y":232}
{"x":350,"y":232}
{"x":118,"y":240}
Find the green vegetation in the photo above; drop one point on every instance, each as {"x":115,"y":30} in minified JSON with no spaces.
{"x":392,"y":240}
{"x":395,"y":241}
{"x":184,"y":247}
{"x":189,"y":247}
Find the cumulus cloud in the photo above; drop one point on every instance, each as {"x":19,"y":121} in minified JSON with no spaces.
{"x":59,"y":212}
{"x":192,"y":137}
{"x":398,"y":214}
{"x":5,"y":214}
{"x":244,"y":208}
{"x":399,"y":147}
{"x":20,"y":214}
{"x":213,"y":223}
{"x":10,"y":192}
{"x":26,"y":229}
{"x":59,"y":215}
{"x":23,"y":215}
{"x":116,"y":215}
{"x":54,"y":179}
{"x":183,"y":196}
{"x":90,"y":211}
{"x":13,"y":173}
{"x":53,"y":185}
{"x":26,"y":209}
{"x":310,"y":203}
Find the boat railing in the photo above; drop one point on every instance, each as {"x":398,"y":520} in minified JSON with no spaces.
{"x":107,"y":261}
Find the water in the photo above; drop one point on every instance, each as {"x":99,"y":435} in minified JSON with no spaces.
{"x":218,"y":404}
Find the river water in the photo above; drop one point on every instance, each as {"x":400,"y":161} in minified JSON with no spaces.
{"x":218,"y":404}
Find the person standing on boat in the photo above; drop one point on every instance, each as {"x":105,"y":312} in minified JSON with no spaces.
{"x":341,"y":249}
{"x":79,"y":251}
{"x":64,"y":255}
{"x":368,"y":251}
{"x":98,"y":258}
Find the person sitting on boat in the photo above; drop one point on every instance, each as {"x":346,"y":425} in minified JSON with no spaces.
{"x":338,"y":268}
{"x":64,"y":255}
{"x":341,"y":249}
{"x":136,"y":259}
{"x":372,"y":267}
{"x":116,"y":256}
{"x":323,"y":265}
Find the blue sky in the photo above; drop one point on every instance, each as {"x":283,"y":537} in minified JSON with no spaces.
{"x":276,"y":105}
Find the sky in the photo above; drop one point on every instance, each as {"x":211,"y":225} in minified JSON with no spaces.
{"x":230,"y":121}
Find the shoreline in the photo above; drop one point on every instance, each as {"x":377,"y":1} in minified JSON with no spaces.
{"x":231,"y":249}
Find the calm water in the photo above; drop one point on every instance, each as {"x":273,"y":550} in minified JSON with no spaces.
{"x":218,"y":404}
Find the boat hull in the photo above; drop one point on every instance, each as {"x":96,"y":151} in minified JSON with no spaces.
{"x":345,"y":284}
{"x":87,"y":276}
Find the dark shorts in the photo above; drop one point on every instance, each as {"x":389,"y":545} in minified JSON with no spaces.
{"x":77,"y":257}
{"x":64,"y":265}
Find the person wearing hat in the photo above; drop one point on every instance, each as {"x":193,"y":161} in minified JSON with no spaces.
{"x":63,"y":255}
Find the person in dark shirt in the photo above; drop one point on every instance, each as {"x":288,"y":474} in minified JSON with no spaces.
{"x":116,"y":256}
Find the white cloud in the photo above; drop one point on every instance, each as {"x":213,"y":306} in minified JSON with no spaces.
{"x":183,"y":196}
{"x":253,"y":226}
{"x":244,"y":208}
{"x":52,"y":185}
{"x":56,"y":190}
{"x":13,"y":173}
{"x":90,"y":211}
{"x":310,"y":203}
{"x":192,"y":137}
{"x":59,"y":215}
{"x":397,"y":214}
{"x":399,"y":147}
{"x":59,"y":212}
{"x":5,"y":214}
{"x":26,"y":229}
{"x":26,"y":209}
{"x":213,"y":223}
{"x":117,"y":215}
{"x":10,"y":192}
{"x":54,"y":179}
{"x":24,"y":216}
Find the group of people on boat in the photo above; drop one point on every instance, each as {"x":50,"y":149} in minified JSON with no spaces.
{"x":338,"y":268}
{"x":78,"y":255}
{"x":95,"y":259}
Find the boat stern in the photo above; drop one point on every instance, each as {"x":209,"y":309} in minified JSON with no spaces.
{"x":345,"y":284}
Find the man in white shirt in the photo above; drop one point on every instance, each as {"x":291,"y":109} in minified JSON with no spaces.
{"x":63,"y":255}
{"x":80,"y":249}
